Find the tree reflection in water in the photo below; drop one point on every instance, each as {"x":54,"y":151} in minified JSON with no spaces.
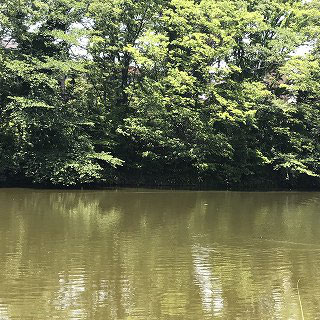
{"x":158,"y":254}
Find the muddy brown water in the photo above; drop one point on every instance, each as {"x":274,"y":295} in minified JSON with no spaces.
{"x":148,"y":254}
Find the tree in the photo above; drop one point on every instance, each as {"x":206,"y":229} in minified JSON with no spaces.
{"x":182,"y":91}
{"x":40,"y":113}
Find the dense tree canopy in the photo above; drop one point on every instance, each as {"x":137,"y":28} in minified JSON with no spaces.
{"x":221,"y":93}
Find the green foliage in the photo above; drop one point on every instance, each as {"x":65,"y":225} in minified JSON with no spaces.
{"x":160,"y":92}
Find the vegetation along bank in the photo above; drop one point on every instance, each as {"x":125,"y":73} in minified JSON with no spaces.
{"x":222,"y":93}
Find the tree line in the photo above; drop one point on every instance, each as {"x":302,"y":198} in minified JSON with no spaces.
{"x":217,"y":93}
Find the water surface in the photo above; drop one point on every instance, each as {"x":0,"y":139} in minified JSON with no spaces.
{"x":145,"y":254}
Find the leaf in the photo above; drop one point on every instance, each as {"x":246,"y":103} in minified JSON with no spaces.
{"x":104,"y":156}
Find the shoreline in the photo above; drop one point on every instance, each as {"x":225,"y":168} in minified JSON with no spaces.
{"x":122,"y":187}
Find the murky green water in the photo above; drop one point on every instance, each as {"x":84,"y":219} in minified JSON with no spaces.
{"x":158,"y":255}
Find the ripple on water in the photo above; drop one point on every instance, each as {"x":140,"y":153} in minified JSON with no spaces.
{"x":113,"y":255}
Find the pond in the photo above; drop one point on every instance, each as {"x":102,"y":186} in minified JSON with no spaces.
{"x":152,"y":254}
